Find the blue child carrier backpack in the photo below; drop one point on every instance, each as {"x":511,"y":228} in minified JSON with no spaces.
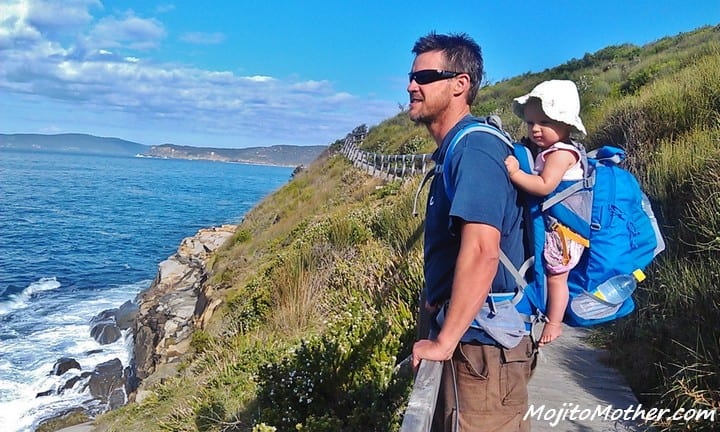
{"x":607,"y":208}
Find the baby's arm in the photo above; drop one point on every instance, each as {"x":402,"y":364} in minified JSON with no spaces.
{"x":512,"y":164}
{"x":556,"y":163}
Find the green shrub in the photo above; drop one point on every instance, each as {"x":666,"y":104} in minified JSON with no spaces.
{"x":638,"y":79}
{"x":200,"y":341}
{"x":242,"y":235}
{"x":245,"y":309}
{"x":341,"y":380}
{"x":387,"y":189}
{"x":414,"y":145}
{"x":298,"y":284}
{"x":347,"y":231}
{"x":209,"y":414}
{"x":395,"y":224}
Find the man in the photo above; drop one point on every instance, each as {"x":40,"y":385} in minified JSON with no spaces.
{"x":463,"y":238}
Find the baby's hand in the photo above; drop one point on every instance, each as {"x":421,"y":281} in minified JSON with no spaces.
{"x":512,"y":165}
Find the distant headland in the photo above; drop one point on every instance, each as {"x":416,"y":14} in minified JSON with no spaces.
{"x":283,"y":155}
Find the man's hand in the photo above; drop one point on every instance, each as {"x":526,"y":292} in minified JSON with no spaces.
{"x":430,"y":350}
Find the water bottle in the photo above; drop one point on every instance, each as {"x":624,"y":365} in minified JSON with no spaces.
{"x":616,"y":289}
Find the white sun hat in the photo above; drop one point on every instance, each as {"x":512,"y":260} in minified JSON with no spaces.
{"x":559,"y":100}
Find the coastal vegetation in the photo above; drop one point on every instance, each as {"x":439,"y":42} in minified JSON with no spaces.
{"x":320,"y":283}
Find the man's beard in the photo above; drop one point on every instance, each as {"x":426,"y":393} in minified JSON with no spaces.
{"x":423,"y":119}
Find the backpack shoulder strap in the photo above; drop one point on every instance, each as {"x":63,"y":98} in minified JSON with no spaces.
{"x":430,"y":174}
{"x":587,"y":182}
{"x":523,"y":155}
{"x":444,"y":167}
{"x":472,"y":127}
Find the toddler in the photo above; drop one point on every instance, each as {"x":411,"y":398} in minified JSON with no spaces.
{"x":552,"y":112}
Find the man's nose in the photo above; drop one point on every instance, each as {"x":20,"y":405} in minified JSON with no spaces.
{"x":412,"y":86}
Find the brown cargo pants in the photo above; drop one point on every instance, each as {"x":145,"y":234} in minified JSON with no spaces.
{"x":491,"y":384}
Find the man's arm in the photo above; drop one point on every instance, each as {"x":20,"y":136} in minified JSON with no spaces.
{"x":475,"y":269}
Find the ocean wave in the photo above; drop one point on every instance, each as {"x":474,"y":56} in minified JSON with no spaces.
{"x":22,"y":299}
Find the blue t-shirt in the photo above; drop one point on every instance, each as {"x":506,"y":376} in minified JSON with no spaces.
{"x":483,"y":194}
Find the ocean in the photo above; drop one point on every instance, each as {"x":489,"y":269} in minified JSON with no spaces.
{"x":80,"y":234}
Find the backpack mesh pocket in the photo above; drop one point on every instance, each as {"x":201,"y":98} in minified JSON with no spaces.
{"x":587,"y":306}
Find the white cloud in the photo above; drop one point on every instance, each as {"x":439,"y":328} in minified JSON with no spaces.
{"x":340,"y":97}
{"x":259,"y":78}
{"x":203,"y":38}
{"x":131,"y":31}
{"x":14,"y":29}
{"x":50,"y":16}
{"x":93,"y":67}
{"x":311,"y":86}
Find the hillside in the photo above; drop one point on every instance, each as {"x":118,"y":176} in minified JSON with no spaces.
{"x":71,"y":143}
{"x":317,"y":291}
{"x":287,"y":155}
{"x":284,"y":155}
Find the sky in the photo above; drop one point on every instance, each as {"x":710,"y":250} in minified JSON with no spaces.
{"x":246,"y":73}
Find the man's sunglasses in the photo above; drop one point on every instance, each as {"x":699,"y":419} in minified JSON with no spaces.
{"x":427,"y":76}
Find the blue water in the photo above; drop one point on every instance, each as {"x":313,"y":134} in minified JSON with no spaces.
{"x":83,"y":233}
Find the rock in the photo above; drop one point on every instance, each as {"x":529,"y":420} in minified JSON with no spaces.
{"x":69,"y":418}
{"x":74,"y":380}
{"x":105,"y":332}
{"x":161,"y":374}
{"x":64,"y":364}
{"x":126,"y":314}
{"x":71,"y":382}
{"x":44,"y":393}
{"x":131,"y":379}
{"x":172,"y":271}
{"x":145,"y":341}
{"x":117,"y":398}
{"x":175,"y":303}
{"x":104,"y":316}
{"x":106,"y":377}
{"x":170,"y":327}
{"x":175,"y":351}
{"x":104,"y":327}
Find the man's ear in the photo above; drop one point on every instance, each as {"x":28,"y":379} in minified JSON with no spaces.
{"x":462,"y":84}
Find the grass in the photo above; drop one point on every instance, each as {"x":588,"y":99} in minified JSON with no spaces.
{"x":671,"y":129}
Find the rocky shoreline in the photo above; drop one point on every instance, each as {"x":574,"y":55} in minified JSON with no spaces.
{"x":161,"y":319}
{"x":175,"y":304}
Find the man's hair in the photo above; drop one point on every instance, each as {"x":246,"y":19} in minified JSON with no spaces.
{"x":462,"y":54}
